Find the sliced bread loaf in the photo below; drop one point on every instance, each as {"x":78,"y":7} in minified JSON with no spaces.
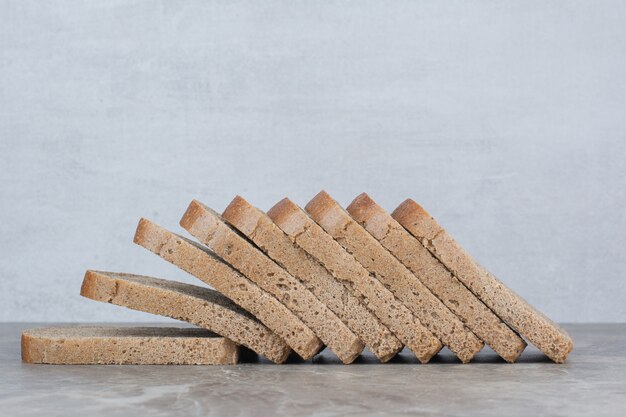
{"x":197,"y":305}
{"x":204,"y":265}
{"x":260,"y":229}
{"x":510,"y":307}
{"x":208,"y":227}
{"x":92,"y":345}
{"x":378,"y":299}
{"x":474,"y":314}
{"x":433,"y":314}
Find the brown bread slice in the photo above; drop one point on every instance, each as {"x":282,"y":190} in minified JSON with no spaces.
{"x":391,"y":312}
{"x":431,"y":312}
{"x":259,"y":228}
{"x":208,"y":227}
{"x":91,"y":345}
{"x":510,"y":307}
{"x":204,"y":265}
{"x":201,"y":306}
{"x":474,"y":314}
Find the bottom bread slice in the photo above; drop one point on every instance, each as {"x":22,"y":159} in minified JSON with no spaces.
{"x":201,"y":306}
{"x":91,"y":345}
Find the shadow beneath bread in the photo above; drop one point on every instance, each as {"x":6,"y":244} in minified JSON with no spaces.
{"x":534,"y":357}
{"x":404,"y":357}
{"x":249,"y":356}
{"x":487,"y":356}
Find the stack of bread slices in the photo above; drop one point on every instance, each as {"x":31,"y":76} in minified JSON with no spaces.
{"x":299,"y":280}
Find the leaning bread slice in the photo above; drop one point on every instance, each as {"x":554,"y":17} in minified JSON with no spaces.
{"x":92,"y":345}
{"x":510,"y":307}
{"x":201,"y":306}
{"x":433,"y":314}
{"x":259,"y":228}
{"x":379,"y":300}
{"x":204,"y":265}
{"x":208,"y":227}
{"x":474,"y":314}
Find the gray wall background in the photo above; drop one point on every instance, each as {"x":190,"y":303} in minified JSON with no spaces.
{"x":507,"y":120}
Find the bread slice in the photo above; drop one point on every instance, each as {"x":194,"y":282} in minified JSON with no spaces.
{"x":432,"y":313}
{"x":203,"y":307}
{"x":259,"y":228}
{"x":91,"y":345}
{"x":208,"y":227}
{"x":204,"y":265}
{"x":474,"y":314}
{"x":391,"y":312}
{"x":510,"y":307}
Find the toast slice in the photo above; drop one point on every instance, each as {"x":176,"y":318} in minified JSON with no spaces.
{"x":208,"y":227}
{"x":472,"y":312}
{"x":204,"y":265}
{"x":431,"y":312}
{"x":201,"y":306}
{"x":260,"y":229}
{"x":93,"y":345}
{"x":552,"y":340}
{"x":379,"y":300}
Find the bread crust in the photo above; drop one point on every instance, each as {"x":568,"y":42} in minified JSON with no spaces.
{"x":289,"y":216}
{"x":421,"y":222}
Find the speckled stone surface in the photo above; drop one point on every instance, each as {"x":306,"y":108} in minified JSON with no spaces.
{"x":592,"y":382}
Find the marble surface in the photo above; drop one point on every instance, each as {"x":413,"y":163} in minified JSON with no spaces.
{"x":592,"y":382}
